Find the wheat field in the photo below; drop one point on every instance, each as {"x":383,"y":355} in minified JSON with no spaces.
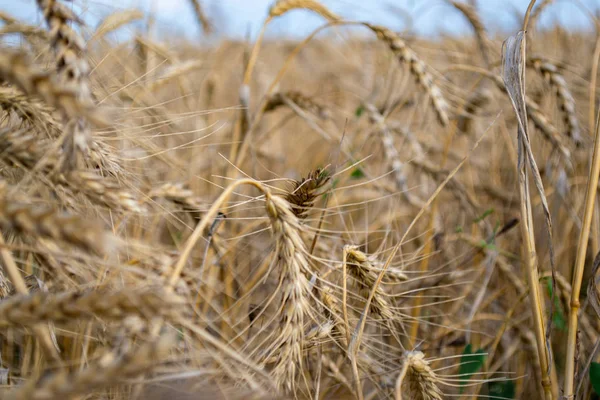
{"x":356,"y":214}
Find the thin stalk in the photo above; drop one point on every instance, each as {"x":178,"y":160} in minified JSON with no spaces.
{"x":245,"y":92}
{"x":424,"y":265}
{"x":400,"y":380}
{"x":345,"y":296}
{"x":531,"y":266}
{"x":590,"y":198}
{"x":592,"y":113}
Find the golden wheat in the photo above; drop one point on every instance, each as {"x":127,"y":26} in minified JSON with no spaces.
{"x":417,"y":68}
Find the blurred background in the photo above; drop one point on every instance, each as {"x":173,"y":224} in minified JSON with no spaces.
{"x":242,"y":18}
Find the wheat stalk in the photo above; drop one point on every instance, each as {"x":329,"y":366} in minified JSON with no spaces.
{"x":582,"y":244}
{"x":514,"y":78}
{"x":541,"y":122}
{"x":201,"y":16}
{"x":537,"y":11}
{"x":279,"y":8}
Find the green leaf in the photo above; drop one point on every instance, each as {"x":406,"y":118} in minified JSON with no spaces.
{"x":359,"y":111}
{"x":497,"y":227}
{"x":458,"y":229}
{"x":502,"y":390}
{"x":485,"y":214}
{"x":595,"y":376}
{"x":470,"y":362}
{"x":487,"y":246}
{"x":558,"y":315}
{"x":357,"y":173}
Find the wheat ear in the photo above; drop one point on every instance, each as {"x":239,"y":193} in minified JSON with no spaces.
{"x":564,"y":96}
{"x":20,"y":146}
{"x":286,"y":348}
{"x":111,"y":369}
{"x":27,"y":31}
{"x":72,"y":69}
{"x":392,"y":155}
{"x":24,"y":148}
{"x":540,"y":121}
{"x":304,"y":102}
{"x":46,"y":222}
{"x":40,"y":115}
{"x":41,"y":306}
{"x":334,"y":313}
{"x":365,"y":277}
{"x":101,"y":190}
{"x":16,"y":68}
{"x":422,"y":380}
{"x":283,"y":6}
{"x":116,"y":20}
{"x":290,"y":250}
{"x":179,"y":194}
{"x":30,"y":111}
{"x":7,"y":18}
{"x":303,"y":194}
{"x":417,"y":67}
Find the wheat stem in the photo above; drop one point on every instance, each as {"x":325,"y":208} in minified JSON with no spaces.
{"x":579,"y":266}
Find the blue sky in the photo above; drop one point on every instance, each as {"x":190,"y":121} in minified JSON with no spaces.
{"x":236,"y":17}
